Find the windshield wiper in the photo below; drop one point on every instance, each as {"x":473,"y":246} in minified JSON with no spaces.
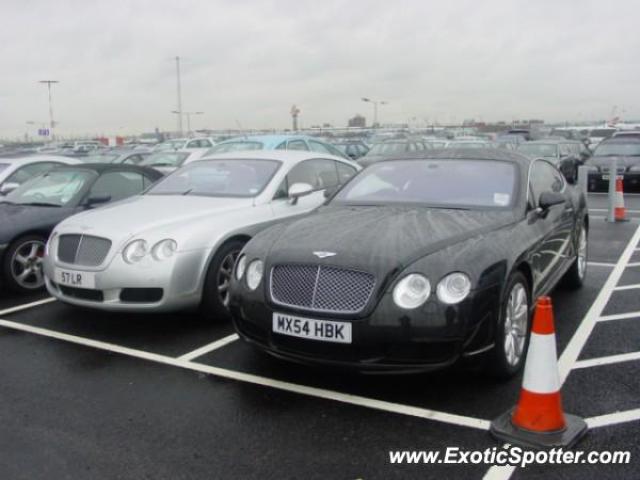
{"x":40,"y":204}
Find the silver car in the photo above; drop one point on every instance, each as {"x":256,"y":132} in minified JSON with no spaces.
{"x":159,"y":251}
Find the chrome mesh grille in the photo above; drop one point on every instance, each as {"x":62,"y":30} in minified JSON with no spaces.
{"x":85,"y":250}
{"x":320,"y":288}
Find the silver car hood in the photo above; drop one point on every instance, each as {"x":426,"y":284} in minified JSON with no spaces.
{"x":155,"y":217}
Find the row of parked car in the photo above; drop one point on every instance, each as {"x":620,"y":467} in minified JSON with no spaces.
{"x":426,"y":257}
{"x":421,"y":259}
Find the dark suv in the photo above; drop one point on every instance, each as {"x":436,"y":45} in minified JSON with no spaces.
{"x":627,"y":153}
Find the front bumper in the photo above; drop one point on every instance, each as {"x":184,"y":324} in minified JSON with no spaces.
{"x":386,"y":340}
{"x":171,"y":285}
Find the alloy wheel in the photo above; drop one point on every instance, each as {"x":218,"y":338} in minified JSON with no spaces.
{"x":516,"y":324}
{"x":26,"y":265}
{"x":582,"y":253}
{"x":224,"y":276}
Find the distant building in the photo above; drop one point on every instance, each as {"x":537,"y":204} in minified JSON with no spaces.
{"x":357,"y":121}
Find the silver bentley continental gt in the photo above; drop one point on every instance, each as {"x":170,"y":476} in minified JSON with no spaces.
{"x":160,"y":250}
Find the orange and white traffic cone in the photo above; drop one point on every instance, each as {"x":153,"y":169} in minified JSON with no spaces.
{"x":538,"y":420}
{"x":619,"y":211}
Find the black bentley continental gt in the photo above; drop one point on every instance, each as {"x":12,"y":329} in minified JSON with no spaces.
{"x":415,"y":264}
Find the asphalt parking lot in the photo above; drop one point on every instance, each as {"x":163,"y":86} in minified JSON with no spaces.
{"x":88,"y":394}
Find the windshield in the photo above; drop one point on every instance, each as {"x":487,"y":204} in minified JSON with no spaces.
{"x":165,"y":159}
{"x":434,"y":183}
{"x":388,"y":148}
{"x":54,"y":189}
{"x":219,"y":178}
{"x":602,"y":132}
{"x":104,"y":158}
{"x":547,"y":150}
{"x":614,"y":149}
{"x":234,"y":147}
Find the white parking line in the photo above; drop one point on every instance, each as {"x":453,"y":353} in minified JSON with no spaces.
{"x":614,"y":418}
{"x":618,"y":316}
{"x":627,"y":287}
{"x":26,"y":306}
{"x":635,"y":264}
{"x":601,"y":264}
{"x":596,"y":362}
{"x":210,"y":347}
{"x":572,"y":351}
{"x":356,"y":400}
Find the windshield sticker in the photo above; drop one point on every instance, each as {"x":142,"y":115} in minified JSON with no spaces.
{"x":501,"y":199}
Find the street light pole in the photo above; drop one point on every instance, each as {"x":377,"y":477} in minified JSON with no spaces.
{"x":179,"y":96}
{"x":51,"y":122}
{"x":375,"y":108}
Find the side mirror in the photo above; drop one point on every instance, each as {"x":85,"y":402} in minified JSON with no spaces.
{"x":97,"y":200}
{"x":550,"y":199}
{"x":8,"y":188}
{"x":298,"y":190}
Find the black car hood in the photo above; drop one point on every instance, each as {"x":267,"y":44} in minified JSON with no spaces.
{"x":16,"y":219}
{"x":379,"y":240}
{"x":606,"y":161}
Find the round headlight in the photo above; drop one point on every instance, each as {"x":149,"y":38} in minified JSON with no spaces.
{"x":134,"y":251}
{"x":254,"y":274}
{"x":164,"y":249}
{"x":412,"y":291}
{"x":241,"y":265}
{"x":454,"y":288}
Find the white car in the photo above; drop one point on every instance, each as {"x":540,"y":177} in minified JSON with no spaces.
{"x":15,"y":171}
{"x":174,"y":247}
{"x":184,"y":144}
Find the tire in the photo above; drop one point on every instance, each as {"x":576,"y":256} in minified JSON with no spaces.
{"x":574,"y":278}
{"x":22,"y":264}
{"x":505,"y":362}
{"x":214,"y":305}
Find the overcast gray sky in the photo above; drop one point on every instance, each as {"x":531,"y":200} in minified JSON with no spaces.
{"x":247,"y":62}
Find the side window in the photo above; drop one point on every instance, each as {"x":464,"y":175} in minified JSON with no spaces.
{"x":118,"y":185}
{"x":318,"y":173}
{"x":419,"y":146}
{"x":282,"y":146}
{"x":544,"y":178}
{"x":297,"y":145}
{"x":23,"y":174}
{"x":318,"y":147}
{"x":411,"y":147}
{"x":345,"y":172}
{"x":205,"y":143}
